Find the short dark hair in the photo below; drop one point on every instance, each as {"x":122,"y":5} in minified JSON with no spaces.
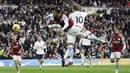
{"x":75,"y":7}
{"x":57,"y":11}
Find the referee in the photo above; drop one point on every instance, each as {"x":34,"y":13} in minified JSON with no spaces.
{"x":39,"y":46}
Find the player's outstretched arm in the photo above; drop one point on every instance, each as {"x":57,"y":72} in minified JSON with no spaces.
{"x":65,"y":19}
{"x":110,"y":42}
{"x":35,"y":46}
{"x":54,"y":26}
{"x":21,"y":50}
{"x":49,"y":16}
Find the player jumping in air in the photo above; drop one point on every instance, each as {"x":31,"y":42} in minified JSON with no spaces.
{"x":118,"y":46}
{"x":78,"y":29}
{"x":16,"y":50}
{"x":73,"y":30}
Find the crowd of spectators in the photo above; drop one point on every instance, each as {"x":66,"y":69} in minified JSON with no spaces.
{"x":103,"y":2}
{"x":32,"y":22}
{"x":81,"y":2}
{"x":17,"y":2}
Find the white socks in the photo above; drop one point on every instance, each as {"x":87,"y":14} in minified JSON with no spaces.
{"x":117,"y":67}
{"x":82,"y":58}
{"x":90,"y":61}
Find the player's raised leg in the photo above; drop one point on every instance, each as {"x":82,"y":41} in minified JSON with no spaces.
{"x":81,"y":32}
{"x":90,"y":36}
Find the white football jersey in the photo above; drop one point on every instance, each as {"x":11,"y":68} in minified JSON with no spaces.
{"x":78,"y":18}
{"x":40,"y":46}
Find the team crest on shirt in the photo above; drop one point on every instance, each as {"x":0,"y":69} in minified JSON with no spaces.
{"x":118,"y":39}
{"x":113,"y":38}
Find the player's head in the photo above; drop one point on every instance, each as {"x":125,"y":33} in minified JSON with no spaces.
{"x":117,"y":31}
{"x":39,"y":38}
{"x":14,"y":36}
{"x":75,"y":8}
{"x":57,"y":13}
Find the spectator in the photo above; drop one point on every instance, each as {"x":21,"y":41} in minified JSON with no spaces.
{"x":94,"y":3}
{"x":127,"y":3}
{"x":1,"y":52}
{"x":107,"y":52}
{"x":27,"y":44}
{"x":101,"y":2}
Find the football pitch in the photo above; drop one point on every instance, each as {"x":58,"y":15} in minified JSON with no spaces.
{"x":72,"y":69}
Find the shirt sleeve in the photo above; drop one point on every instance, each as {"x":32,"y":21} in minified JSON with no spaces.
{"x":123,"y":41}
{"x":65,"y":19}
{"x":34,"y":47}
{"x":49,"y":16}
{"x":70,"y":16}
{"x":20,"y":43}
{"x":44,"y":45}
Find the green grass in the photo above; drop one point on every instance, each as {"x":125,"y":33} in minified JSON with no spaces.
{"x":73,"y":69}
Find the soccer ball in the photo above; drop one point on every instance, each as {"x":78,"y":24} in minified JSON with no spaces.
{"x":16,"y":27}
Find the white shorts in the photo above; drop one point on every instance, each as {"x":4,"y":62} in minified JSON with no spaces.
{"x":71,"y":39}
{"x":18,"y":58}
{"x":76,"y":31}
{"x":115,"y":55}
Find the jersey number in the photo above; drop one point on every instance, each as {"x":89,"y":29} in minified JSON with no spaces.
{"x":79,"y":19}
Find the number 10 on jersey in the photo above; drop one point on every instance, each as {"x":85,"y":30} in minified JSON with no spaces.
{"x":79,"y":19}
